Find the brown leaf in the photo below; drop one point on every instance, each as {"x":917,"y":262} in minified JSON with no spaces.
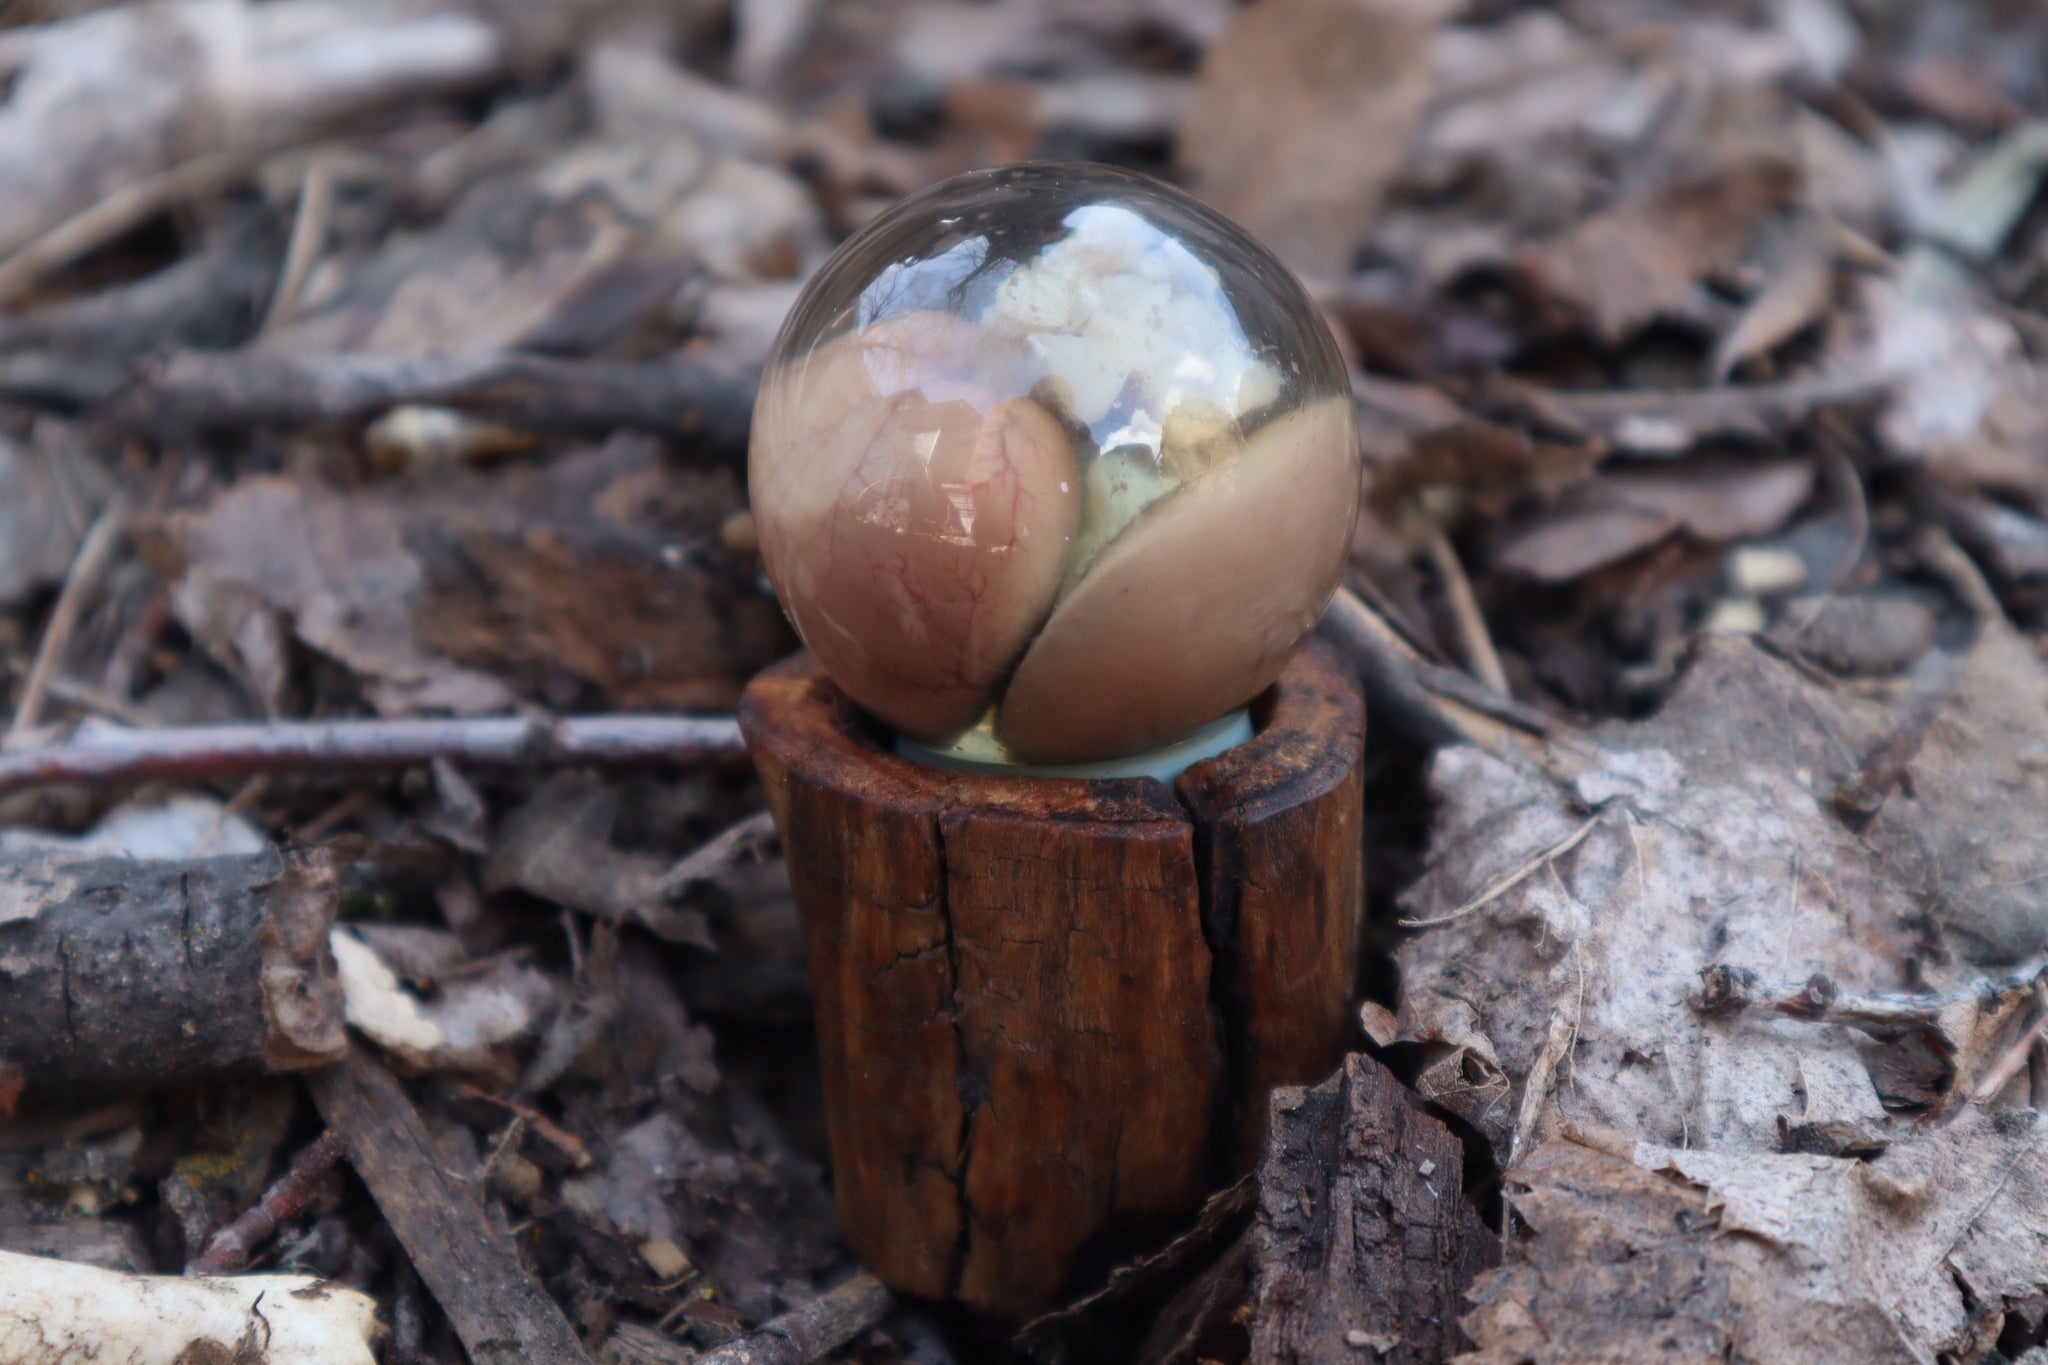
{"x":1971,"y":837}
{"x":1719,"y":499}
{"x":41,"y":521}
{"x":1619,"y":1273}
{"x":1612,"y":516}
{"x":1799,"y":280}
{"x":1303,"y":114}
{"x":1641,"y":258}
{"x":446,"y":594}
{"x":1580,"y":535}
{"x":336,"y":567}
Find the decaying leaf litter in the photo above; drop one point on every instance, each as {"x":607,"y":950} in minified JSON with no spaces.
{"x":391,"y":364}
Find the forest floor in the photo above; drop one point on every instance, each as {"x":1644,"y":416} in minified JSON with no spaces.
{"x":375,"y":558}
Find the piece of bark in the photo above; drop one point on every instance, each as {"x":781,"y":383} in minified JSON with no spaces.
{"x":1024,"y":1035}
{"x":122,"y":973}
{"x":497,"y":1307}
{"x":1364,"y":1241}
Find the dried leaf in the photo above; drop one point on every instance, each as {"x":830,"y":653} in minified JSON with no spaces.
{"x":1965,"y":396}
{"x":1609,"y":517}
{"x":1660,"y":1253}
{"x":337,"y":567}
{"x":1716,"y":843}
{"x":443,"y":594}
{"x":40,"y":527}
{"x":1970,"y":840}
{"x":1642,"y":258}
{"x":1302,"y":115}
{"x":1799,"y":280}
{"x":1579,"y":535}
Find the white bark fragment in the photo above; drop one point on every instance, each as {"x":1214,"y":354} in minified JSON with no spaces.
{"x":60,"y":1313}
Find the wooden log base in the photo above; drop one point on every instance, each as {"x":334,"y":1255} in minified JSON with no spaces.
{"x":1050,"y":1009}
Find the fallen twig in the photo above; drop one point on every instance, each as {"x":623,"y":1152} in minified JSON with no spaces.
{"x":677,"y":396}
{"x":121,"y":211}
{"x":1782,"y":401}
{"x":101,"y":753}
{"x":1726,"y":990}
{"x":811,"y":1330}
{"x":231,"y":1247}
{"x":500,"y":1311}
{"x":1513,"y":877}
{"x":1222,"y":1214}
{"x":566,"y":1143}
{"x":91,"y":561}
{"x":1473,"y":637}
{"x":1435,"y":703}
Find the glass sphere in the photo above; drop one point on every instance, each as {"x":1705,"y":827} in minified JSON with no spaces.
{"x":1055,"y":456}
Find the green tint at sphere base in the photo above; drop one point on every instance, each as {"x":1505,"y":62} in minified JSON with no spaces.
{"x":1053,"y":465}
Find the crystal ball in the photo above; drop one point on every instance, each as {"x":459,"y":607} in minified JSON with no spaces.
{"x":1056,"y":459}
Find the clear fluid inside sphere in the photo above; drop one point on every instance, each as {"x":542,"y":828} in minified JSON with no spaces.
{"x":1055,"y":462}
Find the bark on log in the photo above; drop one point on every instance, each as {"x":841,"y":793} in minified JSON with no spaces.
{"x":1364,"y":1241}
{"x":123,"y":973}
{"x":1048,"y":1009}
{"x":680,"y":396}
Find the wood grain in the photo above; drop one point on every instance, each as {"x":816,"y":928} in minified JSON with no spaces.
{"x":1048,"y":1010}
{"x":1278,"y":835}
{"x":500,"y":1311}
{"x":1364,"y":1241}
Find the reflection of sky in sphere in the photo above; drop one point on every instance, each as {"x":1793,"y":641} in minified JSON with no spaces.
{"x":959,"y":280}
{"x":1127,"y":321}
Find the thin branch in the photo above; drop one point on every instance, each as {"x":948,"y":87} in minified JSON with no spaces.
{"x":678,"y":395}
{"x":2009,"y":1063}
{"x":809,"y":1331}
{"x":94,"y":553}
{"x":1473,"y":639}
{"x":1429,"y":697}
{"x":1846,"y":482}
{"x":1507,"y":881}
{"x":567,"y":1144}
{"x":230,"y":1248}
{"x":1785,"y":400}
{"x":101,"y":753}
{"x":309,"y":235}
{"x":126,"y":208}
{"x":1728,"y":990}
